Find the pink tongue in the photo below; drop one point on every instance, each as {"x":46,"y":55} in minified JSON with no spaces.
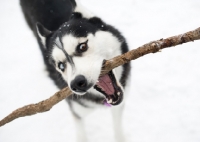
{"x":106,"y":84}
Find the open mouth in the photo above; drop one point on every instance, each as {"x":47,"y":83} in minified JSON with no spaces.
{"x":108,"y":86}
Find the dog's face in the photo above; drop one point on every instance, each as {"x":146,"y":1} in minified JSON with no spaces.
{"x":77,"y":50}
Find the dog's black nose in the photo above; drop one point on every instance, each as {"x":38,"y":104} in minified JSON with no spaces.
{"x":79,"y":84}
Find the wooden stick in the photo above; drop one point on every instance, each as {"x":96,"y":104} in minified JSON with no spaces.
{"x":151,"y":47}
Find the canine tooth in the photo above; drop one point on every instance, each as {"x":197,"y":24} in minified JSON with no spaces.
{"x":118,"y":93}
{"x":109,"y":101}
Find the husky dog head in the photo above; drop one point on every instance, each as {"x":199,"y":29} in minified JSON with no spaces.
{"x":77,"y":50}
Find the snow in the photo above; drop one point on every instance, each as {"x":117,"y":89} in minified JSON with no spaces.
{"x":164,"y":102}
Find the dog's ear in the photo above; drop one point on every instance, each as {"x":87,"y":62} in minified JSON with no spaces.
{"x":42,"y":33}
{"x":76,"y":15}
{"x":98,"y":23}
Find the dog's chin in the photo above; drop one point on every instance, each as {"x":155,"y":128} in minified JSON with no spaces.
{"x":79,"y":93}
{"x":108,"y":86}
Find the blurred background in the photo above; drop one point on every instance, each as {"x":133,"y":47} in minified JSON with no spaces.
{"x":164,"y":101}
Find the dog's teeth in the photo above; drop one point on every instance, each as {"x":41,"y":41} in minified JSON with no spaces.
{"x":118,"y":93}
{"x":109,"y":101}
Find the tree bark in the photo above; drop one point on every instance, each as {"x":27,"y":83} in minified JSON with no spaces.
{"x":151,"y":47}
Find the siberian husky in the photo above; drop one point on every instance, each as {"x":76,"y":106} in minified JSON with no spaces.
{"x":74,"y":44}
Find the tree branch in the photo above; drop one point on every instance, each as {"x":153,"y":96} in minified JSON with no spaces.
{"x":151,"y":47}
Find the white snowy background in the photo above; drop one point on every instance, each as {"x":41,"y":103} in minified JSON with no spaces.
{"x":164,"y":102}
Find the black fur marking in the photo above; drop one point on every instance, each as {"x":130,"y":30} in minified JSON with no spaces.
{"x":42,"y":30}
{"x":78,"y":28}
{"x":76,"y":15}
{"x":59,"y":44}
{"x":98,"y":23}
{"x":50,"y":13}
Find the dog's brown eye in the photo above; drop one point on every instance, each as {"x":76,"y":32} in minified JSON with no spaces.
{"x":82,"y":47}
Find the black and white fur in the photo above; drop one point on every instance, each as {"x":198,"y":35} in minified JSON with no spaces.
{"x":62,"y":26}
